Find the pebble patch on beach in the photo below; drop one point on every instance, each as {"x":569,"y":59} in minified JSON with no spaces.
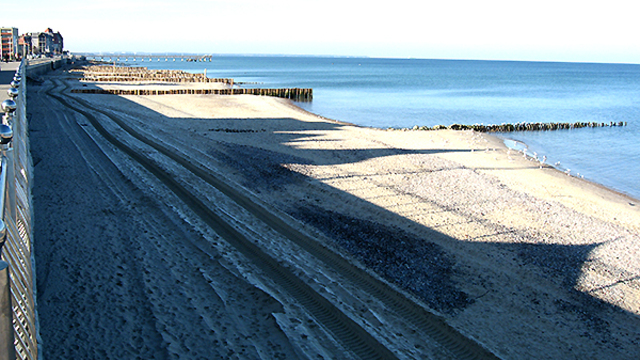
{"x":419,"y":266}
{"x":543,"y":242}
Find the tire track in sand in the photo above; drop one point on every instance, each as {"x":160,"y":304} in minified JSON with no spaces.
{"x":346,"y":331}
{"x":428,"y":323}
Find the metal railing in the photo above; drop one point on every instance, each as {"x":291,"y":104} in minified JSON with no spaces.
{"x":18,"y":330}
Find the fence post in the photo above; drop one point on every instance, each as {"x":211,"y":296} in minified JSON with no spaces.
{"x":9,"y":106}
{"x":7,"y":347}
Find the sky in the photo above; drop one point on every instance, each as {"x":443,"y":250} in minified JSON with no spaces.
{"x":541,"y":30}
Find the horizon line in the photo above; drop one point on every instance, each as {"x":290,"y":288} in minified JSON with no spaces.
{"x":173,"y":53}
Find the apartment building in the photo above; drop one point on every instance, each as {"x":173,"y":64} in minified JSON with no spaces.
{"x":45,"y":43}
{"x":9,"y":38}
{"x":25,"y":46}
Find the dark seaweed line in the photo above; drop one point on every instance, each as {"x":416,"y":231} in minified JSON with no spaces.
{"x":430,"y":324}
{"x":345,"y":330}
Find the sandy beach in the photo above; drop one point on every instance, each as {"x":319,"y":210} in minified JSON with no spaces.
{"x":522,"y":259}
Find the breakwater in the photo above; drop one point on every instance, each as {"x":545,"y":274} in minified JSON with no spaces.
{"x":99,"y":73}
{"x":522,"y":126}
{"x":293,"y":94}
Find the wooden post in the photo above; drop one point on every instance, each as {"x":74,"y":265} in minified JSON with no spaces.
{"x":7,"y":348}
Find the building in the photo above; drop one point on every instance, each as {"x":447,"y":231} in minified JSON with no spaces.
{"x":57,"y":42}
{"x":42,"y":43}
{"x":25,"y":47}
{"x":9,"y":37}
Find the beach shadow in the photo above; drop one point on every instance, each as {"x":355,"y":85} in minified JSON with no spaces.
{"x":416,"y":258}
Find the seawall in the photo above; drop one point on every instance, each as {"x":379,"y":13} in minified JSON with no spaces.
{"x":39,"y":67}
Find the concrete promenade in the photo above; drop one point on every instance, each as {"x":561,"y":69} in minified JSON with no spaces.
{"x":7,"y":71}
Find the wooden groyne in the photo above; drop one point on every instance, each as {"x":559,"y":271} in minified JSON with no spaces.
{"x":177,"y":79}
{"x":97,"y":73}
{"x":523,"y":126}
{"x":296,"y":94}
{"x":102,"y":73}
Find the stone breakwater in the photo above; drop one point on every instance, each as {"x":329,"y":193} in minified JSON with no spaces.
{"x":521,"y":126}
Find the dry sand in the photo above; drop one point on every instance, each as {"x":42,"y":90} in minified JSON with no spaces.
{"x":530,"y":262}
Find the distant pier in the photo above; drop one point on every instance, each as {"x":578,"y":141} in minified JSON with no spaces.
{"x":145,"y":57}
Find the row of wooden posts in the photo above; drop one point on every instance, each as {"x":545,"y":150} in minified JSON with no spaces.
{"x":121,"y":78}
{"x":129,"y":74}
{"x":123,"y":69}
{"x":296,"y":94}
{"x":523,"y":126}
{"x":104,"y":69}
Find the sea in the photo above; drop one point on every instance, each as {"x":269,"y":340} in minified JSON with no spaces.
{"x":401,"y":93}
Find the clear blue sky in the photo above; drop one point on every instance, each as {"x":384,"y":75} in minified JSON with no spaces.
{"x":546,"y":30}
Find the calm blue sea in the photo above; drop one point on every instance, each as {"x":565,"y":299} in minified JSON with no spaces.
{"x":406,"y":92}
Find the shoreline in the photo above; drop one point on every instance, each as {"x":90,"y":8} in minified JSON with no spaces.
{"x":500,"y":135}
{"x":523,"y":259}
{"x":499,"y":138}
{"x":630,"y":197}
{"x":598,"y":190}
